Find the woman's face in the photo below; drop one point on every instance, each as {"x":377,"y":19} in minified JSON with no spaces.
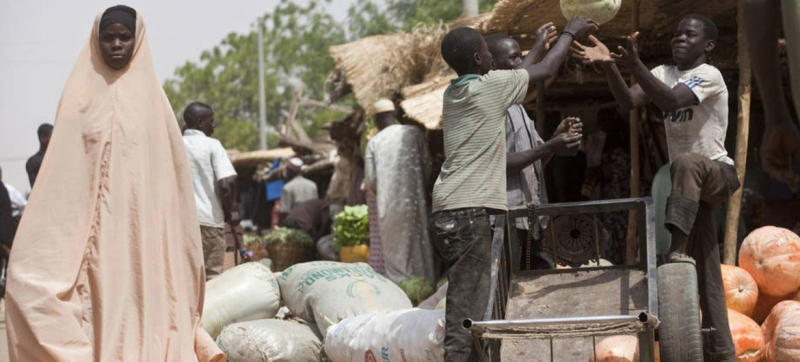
{"x":116,"y":45}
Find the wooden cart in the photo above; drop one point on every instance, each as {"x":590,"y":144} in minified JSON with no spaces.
{"x":561,"y":314}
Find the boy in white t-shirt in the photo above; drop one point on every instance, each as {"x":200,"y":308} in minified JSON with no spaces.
{"x":694,"y":98}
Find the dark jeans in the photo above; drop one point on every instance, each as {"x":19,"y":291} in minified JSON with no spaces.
{"x":699,"y":185}
{"x":463,"y":238}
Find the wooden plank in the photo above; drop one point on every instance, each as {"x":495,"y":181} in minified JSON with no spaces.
{"x":742,"y":133}
{"x":577,"y":293}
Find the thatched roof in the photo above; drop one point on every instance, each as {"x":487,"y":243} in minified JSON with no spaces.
{"x":255,"y":158}
{"x":521,"y":18}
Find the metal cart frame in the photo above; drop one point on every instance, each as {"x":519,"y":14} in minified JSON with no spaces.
{"x":507,"y":276}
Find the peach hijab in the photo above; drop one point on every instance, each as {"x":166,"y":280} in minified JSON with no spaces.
{"x":108,"y":263}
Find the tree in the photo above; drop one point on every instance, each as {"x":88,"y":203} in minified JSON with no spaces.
{"x":296,"y":41}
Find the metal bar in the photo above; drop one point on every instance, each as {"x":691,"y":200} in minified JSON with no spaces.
{"x":596,"y":238}
{"x":494,"y":280}
{"x":552,"y":351}
{"x":469,"y":323}
{"x":594,"y":348}
{"x":587,"y":207}
{"x":651,"y":266}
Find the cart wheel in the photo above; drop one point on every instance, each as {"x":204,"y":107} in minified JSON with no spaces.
{"x":679,"y":311}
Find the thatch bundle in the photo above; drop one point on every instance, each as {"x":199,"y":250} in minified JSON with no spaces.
{"x":379,"y":66}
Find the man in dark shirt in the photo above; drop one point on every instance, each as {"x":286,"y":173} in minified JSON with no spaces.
{"x":35,"y":162}
{"x":312,"y":216}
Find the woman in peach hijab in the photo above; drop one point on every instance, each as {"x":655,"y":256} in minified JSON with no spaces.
{"x":108,"y":264}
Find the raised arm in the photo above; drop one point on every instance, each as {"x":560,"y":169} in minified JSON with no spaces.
{"x":544,"y":37}
{"x":577,"y":27}
{"x":628,"y":98}
{"x":666,"y":98}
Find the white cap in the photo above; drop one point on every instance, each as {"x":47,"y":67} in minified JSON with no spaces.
{"x":295,"y":163}
{"x":383,"y":105}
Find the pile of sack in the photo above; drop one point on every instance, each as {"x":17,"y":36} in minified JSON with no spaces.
{"x":345,"y":311}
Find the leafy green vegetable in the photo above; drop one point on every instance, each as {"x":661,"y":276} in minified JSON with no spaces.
{"x":417,"y":289}
{"x":285,"y":235}
{"x":351,"y":227}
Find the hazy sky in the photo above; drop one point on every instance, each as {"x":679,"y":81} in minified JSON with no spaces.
{"x":40,"y":40}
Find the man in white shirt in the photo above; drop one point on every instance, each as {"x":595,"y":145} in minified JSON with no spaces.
{"x":213,"y":178}
{"x":694,"y":98}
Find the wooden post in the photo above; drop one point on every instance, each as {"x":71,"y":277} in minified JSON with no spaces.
{"x":631,"y":241}
{"x":742,"y":133}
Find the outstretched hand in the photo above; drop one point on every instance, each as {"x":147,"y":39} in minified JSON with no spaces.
{"x":780,"y":149}
{"x":630,"y":55}
{"x":598,"y":53}
{"x":572,"y":125}
{"x":566,"y":141}
{"x":545,"y":36}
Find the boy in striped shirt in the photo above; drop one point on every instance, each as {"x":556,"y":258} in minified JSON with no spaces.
{"x":472,"y":182}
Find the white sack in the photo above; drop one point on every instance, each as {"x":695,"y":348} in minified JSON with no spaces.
{"x":244,"y":293}
{"x":338,"y":291}
{"x":270,"y":340}
{"x":414,"y":335}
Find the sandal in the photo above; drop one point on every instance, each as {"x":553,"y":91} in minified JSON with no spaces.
{"x":676,"y":257}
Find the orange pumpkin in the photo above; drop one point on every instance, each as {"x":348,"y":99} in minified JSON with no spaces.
{"x":747,"y":337}
{"x":617,"y":349}
{"x":764,"y":306}
{"x":782,"y":332}
{"x":741,"y":290}
{"x":772,"y":256}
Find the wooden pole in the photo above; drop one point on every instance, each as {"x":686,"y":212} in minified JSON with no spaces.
{"x":631,"y":241}
{"x":742,"y":133}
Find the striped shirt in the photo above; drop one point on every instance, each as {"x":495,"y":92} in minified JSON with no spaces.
{"x":473,"y":122}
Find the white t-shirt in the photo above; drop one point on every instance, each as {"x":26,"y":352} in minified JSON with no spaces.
{"x":209,"y":163}
{"x":700,"y":128}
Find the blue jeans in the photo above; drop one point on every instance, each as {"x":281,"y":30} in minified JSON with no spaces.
{"x":463,"y":238}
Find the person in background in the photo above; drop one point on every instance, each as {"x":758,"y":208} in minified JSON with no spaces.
{"x":780,"y":146}
{"x":527,"y":151}
{"x":35,"y":162}
{"x":694,"y":97}
{"x":8,"y":224}
{"x":107,"y":262}
{"x":213,"y":179}
{"x":472,"y":183}
{"x":298,"y":189}
{"x":18,"y":200}
{"x":312,"y":216}
{"x":397,"y":168}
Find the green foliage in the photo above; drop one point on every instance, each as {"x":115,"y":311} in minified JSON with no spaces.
{"x":351,"y":227}
{"x":282,"y":235}
{"x":296,"y":42}
{"x":417,"y":289}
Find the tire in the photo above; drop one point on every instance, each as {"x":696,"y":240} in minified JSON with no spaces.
{"x":679,"y":311}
